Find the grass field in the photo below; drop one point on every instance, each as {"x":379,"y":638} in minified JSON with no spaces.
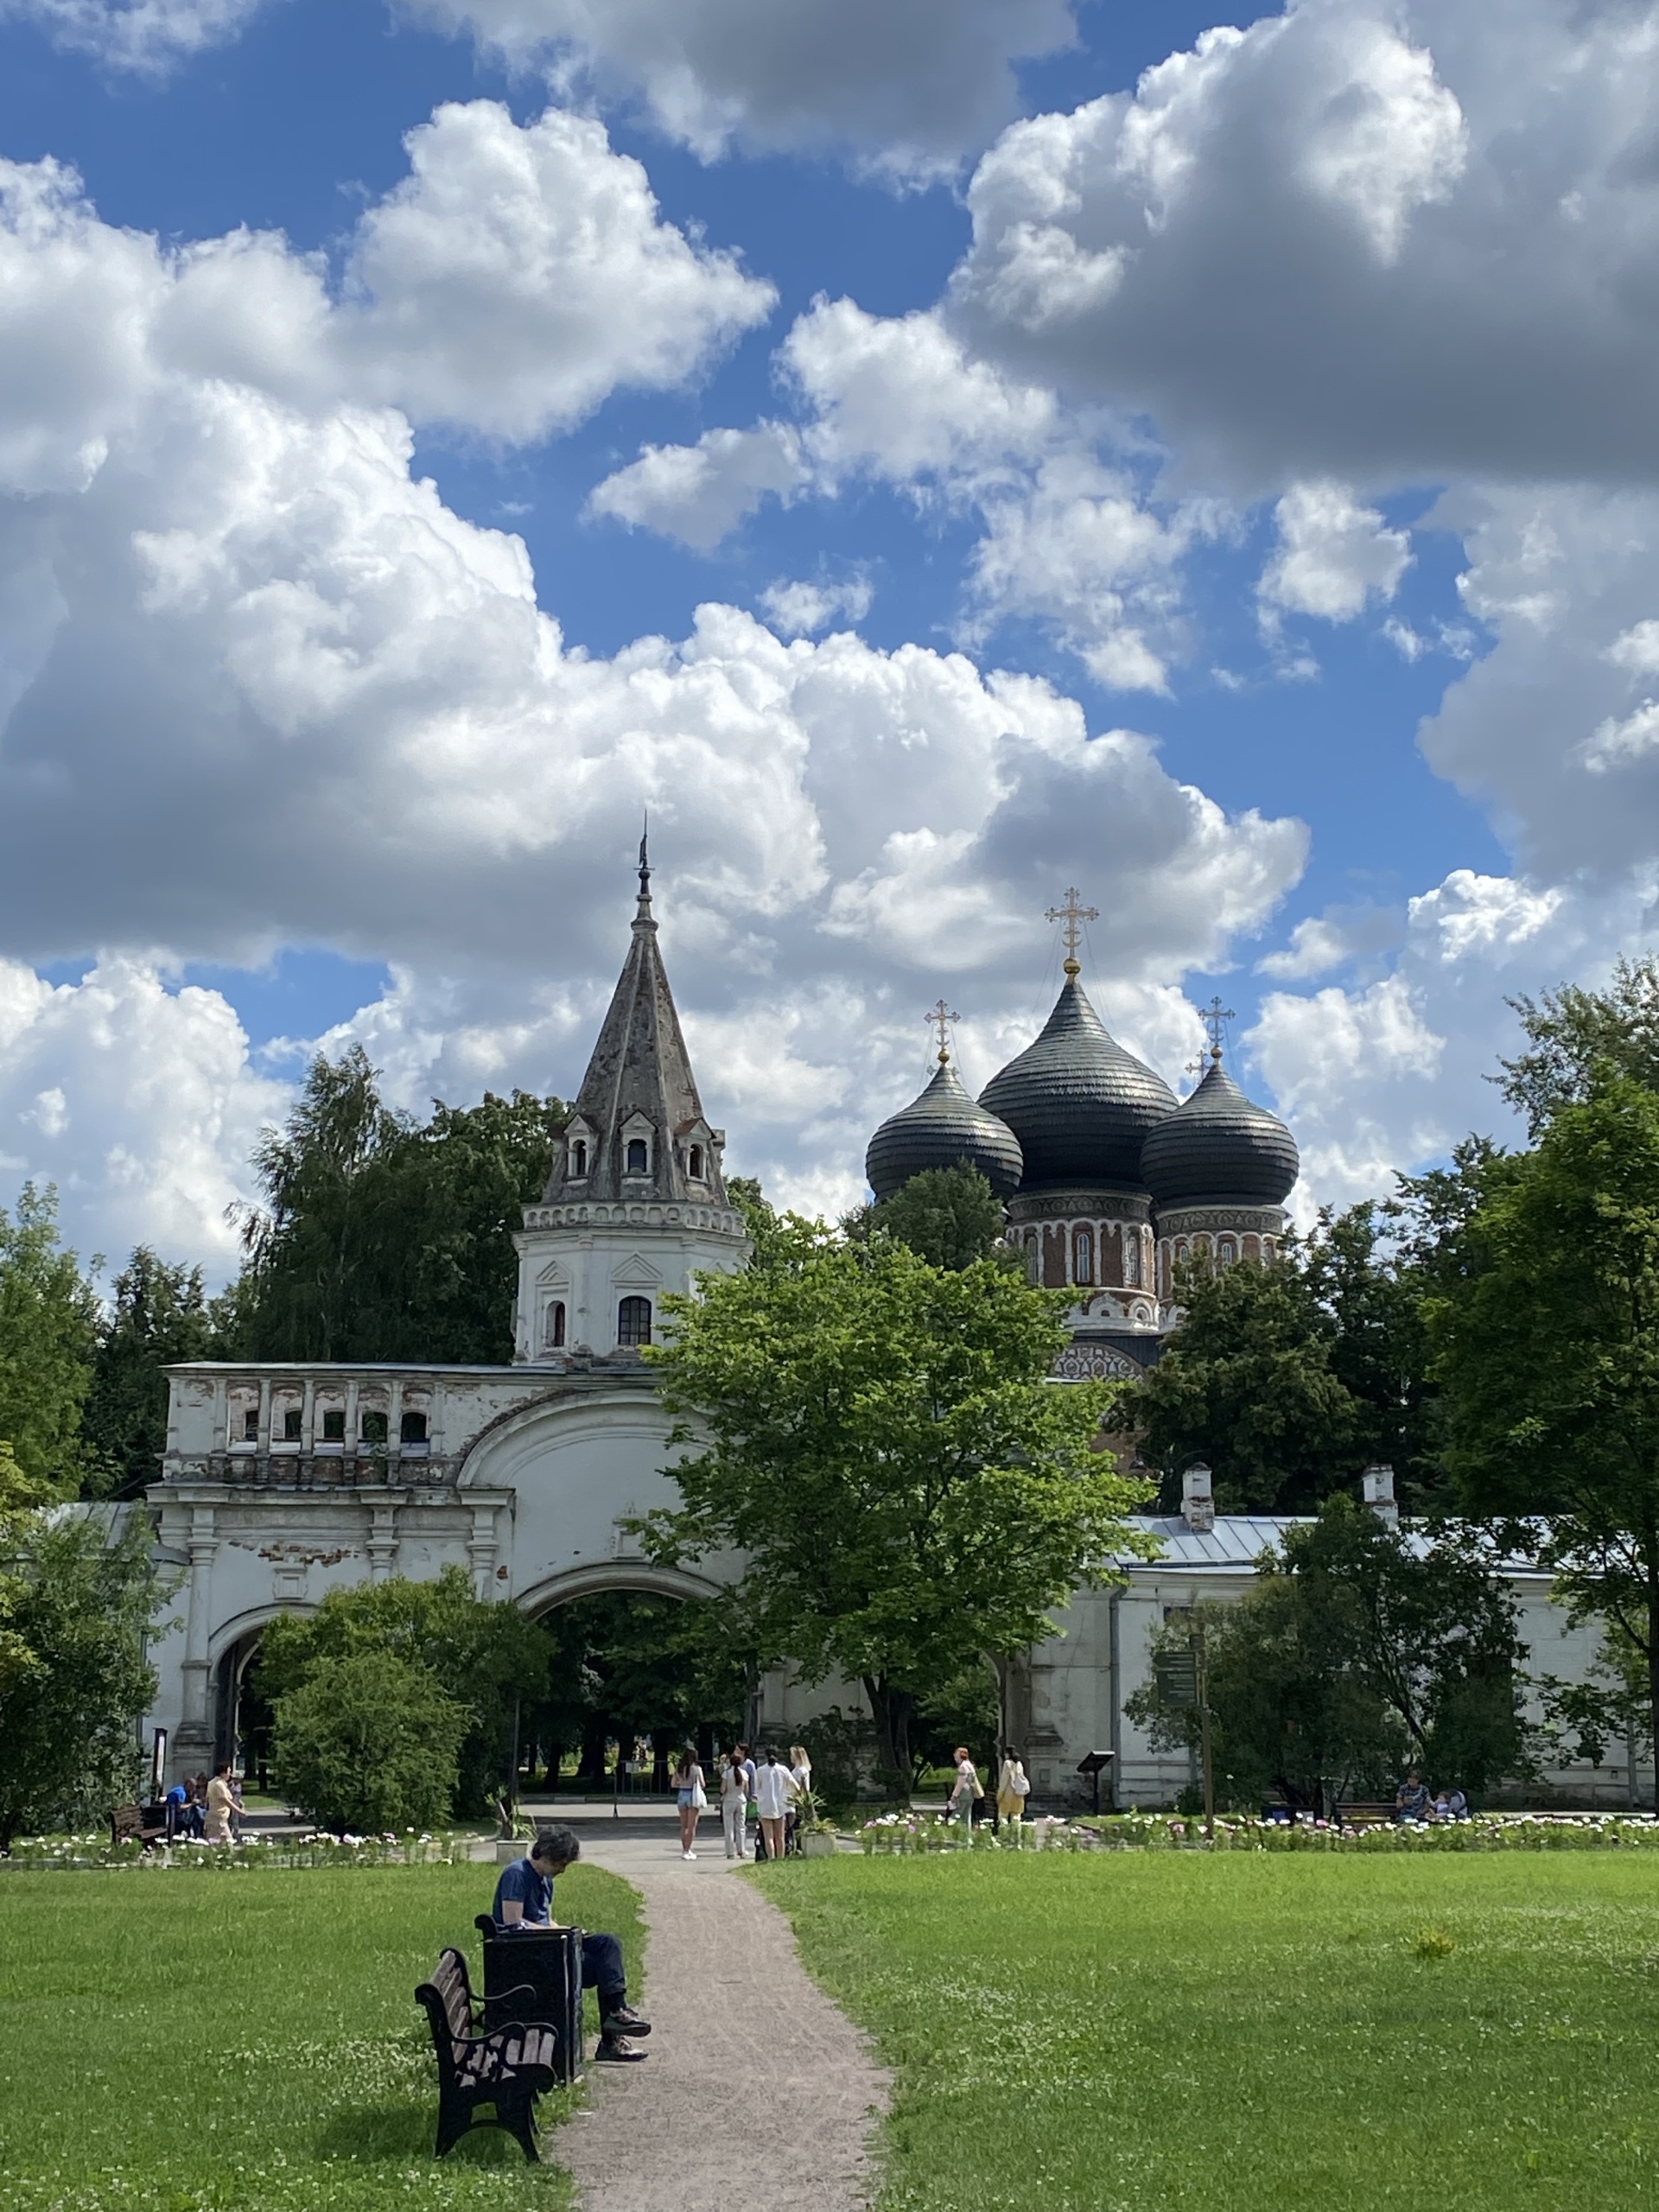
{"x":1143,"y":2033}
{"x":246,"y":2043}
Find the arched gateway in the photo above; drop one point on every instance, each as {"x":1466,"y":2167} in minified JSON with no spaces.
{"x":281,"y":1483}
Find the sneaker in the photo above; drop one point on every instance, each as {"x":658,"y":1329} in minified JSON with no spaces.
{"x":688,"y":1854}
{"x":624,"y":2021}
{"x":617,"y":2050}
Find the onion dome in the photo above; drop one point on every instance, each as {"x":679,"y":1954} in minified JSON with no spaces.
{"x":1077,"y":1102}
{"x":1219,"y":1149}
{"x":936,"y":1130}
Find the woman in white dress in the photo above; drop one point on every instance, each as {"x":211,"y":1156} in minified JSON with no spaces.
{"x":733,"y":1800}
{"x":969,"y":1788}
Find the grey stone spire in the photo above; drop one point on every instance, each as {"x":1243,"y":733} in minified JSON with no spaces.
{"x":637,"y":1130}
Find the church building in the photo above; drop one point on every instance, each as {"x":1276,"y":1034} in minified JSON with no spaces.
{"x":283,"y":1481}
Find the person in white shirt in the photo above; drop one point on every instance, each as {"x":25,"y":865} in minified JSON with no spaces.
{"x":734,"y":1774}
{"x":775,"y":1790}
{"x":969,"y":1788}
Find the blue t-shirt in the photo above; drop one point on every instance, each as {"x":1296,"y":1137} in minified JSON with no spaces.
{"x":178,"y":1795}
{"x":523,"y":1884}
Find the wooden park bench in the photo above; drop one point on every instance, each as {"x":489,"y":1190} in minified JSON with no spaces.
{"x":145,"y":1824}
{"x":1366,"y":1813}
{"x":507,"y":2067}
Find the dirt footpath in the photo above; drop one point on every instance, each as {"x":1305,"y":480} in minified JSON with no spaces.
{"x":744,"y":2050}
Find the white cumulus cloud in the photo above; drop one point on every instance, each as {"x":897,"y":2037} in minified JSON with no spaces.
{"x":1333,"y":556}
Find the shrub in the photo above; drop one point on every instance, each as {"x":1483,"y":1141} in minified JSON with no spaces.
{"x":369,"y":1742}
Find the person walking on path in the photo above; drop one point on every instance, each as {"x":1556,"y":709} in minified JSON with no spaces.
{"x":775,"y":1791}
{"x":968,"y":1791}
{"x":734,"y":1773}
{"x":221,"y":1805}
{"x":524,"y":1899}
{"x":690,"y":1796}
{"x":1012,"y":1787}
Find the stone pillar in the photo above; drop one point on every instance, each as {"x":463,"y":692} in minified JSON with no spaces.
{"x":382,"y":1543}
{"x":395,"y":1421}
{"x":194,"y":1739}
{"x":1197,"y":1499}
{"x":482,"y":1549}
{"x":221,"y":1412}
{"x":353,"y":1442}
{"x":307,"y":1416}
{"x":264,"y":1416}
{"x":1376,"y":1485}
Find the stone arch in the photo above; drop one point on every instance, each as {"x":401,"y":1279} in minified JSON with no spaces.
{"x":615,"y":1574}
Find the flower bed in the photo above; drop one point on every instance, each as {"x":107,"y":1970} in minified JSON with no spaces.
{"x":922,"y":1832}
{"x":1482,"y":1832}
{"x":68,"y":1854}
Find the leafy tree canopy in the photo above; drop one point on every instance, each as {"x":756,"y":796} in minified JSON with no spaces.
{"x":369,"y":1742}
{"x":1545,"y":1345}
{"x":1287,"y":1379}
{"x":479,"y":1655}
{"x":1359,"y":1650}
{"x":161,"y":1314}
{"x":48,"y":1338}
{"x":950,"y":1215}
{"x":81,"y":1602}
{"x":383,"y":1238}
{"x":879,"y":1437}
{"x":1572,"y":1032}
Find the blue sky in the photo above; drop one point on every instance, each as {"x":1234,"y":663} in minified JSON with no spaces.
{"x":1233,"y":496}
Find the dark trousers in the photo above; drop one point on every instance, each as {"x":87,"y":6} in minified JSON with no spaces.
{"x":603,"y":1969}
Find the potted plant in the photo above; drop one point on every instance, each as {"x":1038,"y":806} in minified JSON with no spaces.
{"x":817,"y":1835}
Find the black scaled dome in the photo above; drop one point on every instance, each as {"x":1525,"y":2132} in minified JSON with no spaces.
{"x":1219,"y":1149}
{"x":1077,"y":1102}
{"x":936,"y":1130}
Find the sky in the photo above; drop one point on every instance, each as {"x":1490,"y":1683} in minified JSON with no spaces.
{"x":925,"y":455}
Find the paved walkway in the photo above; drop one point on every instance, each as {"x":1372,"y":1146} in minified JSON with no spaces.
{"x":746,"y":2051}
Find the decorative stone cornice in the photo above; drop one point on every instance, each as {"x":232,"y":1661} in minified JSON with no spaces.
{"x":634,"y":1213}
{"x":1128,"y":1208}
{"x":1085,"y":1363}
{"x":1196,"y":1221}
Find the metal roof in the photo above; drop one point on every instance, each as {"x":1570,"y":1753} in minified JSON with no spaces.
{"x":1238,"y":1539}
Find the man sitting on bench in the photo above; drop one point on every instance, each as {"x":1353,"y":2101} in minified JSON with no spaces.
{"x":524,"y":1898}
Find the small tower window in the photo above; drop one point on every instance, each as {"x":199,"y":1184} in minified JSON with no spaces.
{"x":250,"y":1426}
{"x":695,"y":1167}
{"x":412,"y":1428}
{"x":1034,"y":1260}
{"x":334,"y":1425}
{"x":638,"y":1163}
{"x":633,"y":1322}
{"x":556,"y":1325}
{"x":578,"y":1157}
{"x":293,"y":1425}
{"x":1132,"y":1258}
{"x":374,"y":1429}
{"x":1226,"y":1252}
{"x":1084,"y":1256}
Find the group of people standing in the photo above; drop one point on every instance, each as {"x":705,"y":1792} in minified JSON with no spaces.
{"x":1013,"y":1788}
{"x":206,"y":1806}
{"x":775,"y":1792}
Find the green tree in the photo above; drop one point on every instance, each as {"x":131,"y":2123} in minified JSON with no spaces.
{"x":381,"y":1238}
{"x":1546,"y":1344}
{"x":84,"y":1596}
{"x":1287,"y":1379}
{"x":369,"y":1742}
{"x":1574,"y":1032}
{"x":161,"y":1315}
{"x":48,"y":1340}
{"x":1359,"y":1650}
{"x":950,"y":1215}
{"x":881,"y":1439}
{"x":482,"y":1655}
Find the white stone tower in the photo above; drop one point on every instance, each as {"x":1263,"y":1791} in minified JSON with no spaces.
{"x":636,"y":1203}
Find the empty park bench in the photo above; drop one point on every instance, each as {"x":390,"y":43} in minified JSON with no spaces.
{"x":507,"y":2067}
{"x":145,"y":1824}
{"x":1367,"y":1813}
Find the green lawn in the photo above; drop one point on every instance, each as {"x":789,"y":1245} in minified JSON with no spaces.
{"x":246,"y":2043}
{"x":1135,"y":2032}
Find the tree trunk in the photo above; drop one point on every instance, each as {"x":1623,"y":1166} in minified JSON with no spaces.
{"x":1651,"y":1563}
{"x":890,"y":1708}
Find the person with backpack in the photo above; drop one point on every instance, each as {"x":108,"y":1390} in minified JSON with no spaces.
{"x":1013,"y":1788}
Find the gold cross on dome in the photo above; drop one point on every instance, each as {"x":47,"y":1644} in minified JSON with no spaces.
{"x":1215,"y":1017}
{"x":940,"y":1017}
{"x":1074,"y":916}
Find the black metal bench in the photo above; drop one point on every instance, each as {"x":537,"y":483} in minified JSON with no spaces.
{"x":507,"y":2066}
